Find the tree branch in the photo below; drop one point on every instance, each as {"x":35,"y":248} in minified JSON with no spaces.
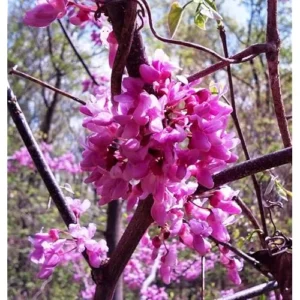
{"x":273,"y":62}
{"x":249,"y":259}
{"x":44,"y":84}
{"x":250,"y":167}
{"x":76,"y":52}
{"x":248,"y":213}
{"x":242,"y":139}
{"x":124,"y":45}
{"x":183,"y":43}
{"x":106,"y":277}
{"x":243,"y":56}
{"x":253,"y":292}
{"x":38,"y":158}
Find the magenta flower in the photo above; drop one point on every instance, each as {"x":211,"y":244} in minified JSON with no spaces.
{"x":169,"y":261}
{"x":77,"y":206}
{"x":223,"y":199}
{"x":45,"y":12}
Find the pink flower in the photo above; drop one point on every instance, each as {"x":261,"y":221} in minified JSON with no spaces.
{"x":45,"y":13}
{"x":169,"y":261}
{"x":223,"y":199}
{"x":82,"y":234}
{"x":96,"y":252}
{"x":77,"y":206}
{"x":216,"y":221}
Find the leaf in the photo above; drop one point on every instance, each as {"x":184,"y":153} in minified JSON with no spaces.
{"x":49,"y":203}
{"x":282,"y":190}
{"x":182,"y":79}
{"x":68,"y":188}
{"x":210,"y":13}
{"x":200,"y":20}
{"x":174,"y":17}
{"x":270,"y":186}
{"x":211,"y":4}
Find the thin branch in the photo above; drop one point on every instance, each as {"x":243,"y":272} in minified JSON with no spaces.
{"x":202,"y":293}
{"x":249,"y":167}
{"x":14,"y":71}
{"x":248,"y":213}
{"x":76,"y":52}
{"x":273,"y":63}
{"x":39,"y":160}
{"x":241,"y":136}
{"x":253,"y":292}
{"x":249,"y":259}
{"x":183,"y":43}
{"x":152,"y":274}
{"x":243,"y":56}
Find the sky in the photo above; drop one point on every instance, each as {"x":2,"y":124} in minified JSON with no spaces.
{"x":239,"y":12}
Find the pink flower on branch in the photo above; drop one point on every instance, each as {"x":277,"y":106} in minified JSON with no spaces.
{"x":50,"y":250}
{"x":47,"y":11}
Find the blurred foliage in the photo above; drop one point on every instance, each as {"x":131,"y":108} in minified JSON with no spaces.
{"x":27,"y":197}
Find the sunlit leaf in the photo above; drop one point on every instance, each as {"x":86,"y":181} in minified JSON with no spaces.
{"x":174,"y":17}
{"x":200,"y":20}
{"x":270,"y":186}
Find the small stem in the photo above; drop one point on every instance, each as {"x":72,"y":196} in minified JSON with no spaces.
{"x":76,"y":52}
{"x":247,"y":212}
{"x":181,"y":43}
{"x":252,"y":261}
{"x":185,"y":5}
{"x":202,"y":295}
{"x":44,"y":84}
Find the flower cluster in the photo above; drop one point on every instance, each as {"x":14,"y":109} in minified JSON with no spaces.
{"x":51,"y":250}
{"x":164,"y":144}
{"x":65,"y":162}
{"x":47,"y":11}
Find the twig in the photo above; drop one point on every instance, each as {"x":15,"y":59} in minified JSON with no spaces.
{"x":202,"y":294}
{"x":248,"y":213}
{"x":41,"y":289}
{"x":76,"y":52}
{"x":183,"y":43}
{"x":241,"y":136}
{"x":250,"y":167}
{"x":243,"y":56}
{"x":252,"y":261}
{"x":39,"y":160}
{"x":253,"y":292}
{"x":152,"y":274}
{"x":273,"y":62}
{"x":44,"y":84}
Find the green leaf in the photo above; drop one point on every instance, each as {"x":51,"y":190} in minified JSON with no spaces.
{"x":211,"y":4}
{"x":210,"y":12}
{"x":282,"y":191}
{"x":174,"y":17}
{"x":200,"y":20}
